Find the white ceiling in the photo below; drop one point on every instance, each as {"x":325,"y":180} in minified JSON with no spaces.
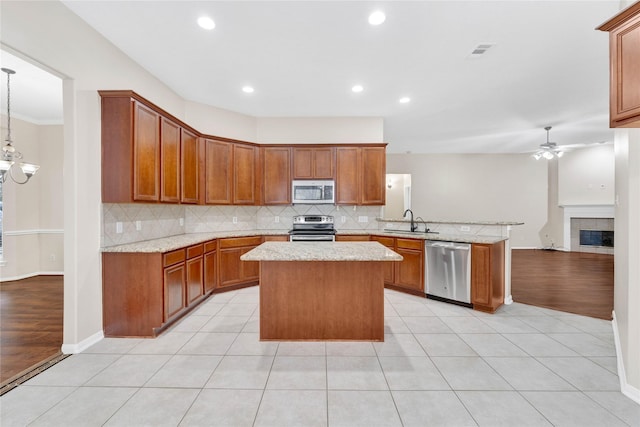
{"x":549,"y":66}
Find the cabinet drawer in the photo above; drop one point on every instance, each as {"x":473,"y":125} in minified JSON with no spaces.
{"x":194,"y":251}
{"x":387,"y":241}
{"x":210,"y":246}
{"x":276,"y":238}
{"x":410,"y":244}
{"x":173,"y":257}
{"x":240,"y":242}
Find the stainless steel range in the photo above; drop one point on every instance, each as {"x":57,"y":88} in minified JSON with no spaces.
{"x":312,"y":228}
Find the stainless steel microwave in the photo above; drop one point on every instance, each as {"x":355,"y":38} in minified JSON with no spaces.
{"x":313,"y":192}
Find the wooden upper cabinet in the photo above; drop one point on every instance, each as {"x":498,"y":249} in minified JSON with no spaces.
{"x":373,"y":176}
{"x":360,"y":175}
{"x":170,"y":161}
{"x":276,"y":175}
{"x":313,"y":162}
{"x":244,"y":174}
{"x":218,"y":172}
{"x":189,"y":167}
{"x":348,"y":175}
{"x":146,"y":154}
{"x":624,"y":57}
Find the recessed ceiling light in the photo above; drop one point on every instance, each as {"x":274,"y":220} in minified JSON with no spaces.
{"x":377,"y":18}
{"x":206,"y":23}
{"x":357,"y":88}
{"x":404,"y":100}
{"x":247,"y":89}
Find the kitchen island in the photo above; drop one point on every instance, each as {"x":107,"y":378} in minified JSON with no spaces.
{"x":321,"y":291}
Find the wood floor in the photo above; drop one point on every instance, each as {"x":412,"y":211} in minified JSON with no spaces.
{"x":574,"y":282}
{"x":30,"y":323}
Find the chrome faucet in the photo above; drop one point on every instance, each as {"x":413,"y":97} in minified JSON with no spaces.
{"x":414,"y":226}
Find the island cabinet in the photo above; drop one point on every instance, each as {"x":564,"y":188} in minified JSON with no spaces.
{"x":276,"y":175}
{"x":230,"y":173}
{"x":389,"y":268}
{"x":313,"y":162}
{"x":487,"y":276}
{"x":360,"y":175}
{"x":624,"y":58}
{"x":232,"y":271}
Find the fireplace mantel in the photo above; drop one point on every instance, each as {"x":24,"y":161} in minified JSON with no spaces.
{"x":583,"y":211}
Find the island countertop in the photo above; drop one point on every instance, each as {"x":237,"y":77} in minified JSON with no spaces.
{"x":321,"y":251}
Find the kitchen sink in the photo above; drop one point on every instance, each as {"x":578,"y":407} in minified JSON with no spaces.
{"x":391,"y":230}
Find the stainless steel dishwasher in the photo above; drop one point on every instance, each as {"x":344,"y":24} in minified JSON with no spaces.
{"x":448,"y":271}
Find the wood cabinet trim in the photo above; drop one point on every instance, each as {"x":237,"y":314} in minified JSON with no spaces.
{"x":620,"y":18}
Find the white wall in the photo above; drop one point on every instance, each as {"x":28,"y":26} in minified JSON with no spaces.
{"x":484,"y":187}
{"x":319,"y":130}
{"x":219,"y":122}
{"x":626,"y":302}
{"x":33,"y":212}
{"x":586,"y":176}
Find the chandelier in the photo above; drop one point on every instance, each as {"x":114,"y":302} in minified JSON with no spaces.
{"x":548,"y":150}
{"x":8,"y":165}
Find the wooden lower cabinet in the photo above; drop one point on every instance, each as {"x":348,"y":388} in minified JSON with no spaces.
{"x":409,"y":273}
{"x":210,"y":260}
{"x":194,"y":268}
{"x":487,"y":276}
{"x":277,"y":238}
{"x":174,"y":278}
{"x":389,"y":267}
{"x":352,"y":238}
{"x":233,"y":271}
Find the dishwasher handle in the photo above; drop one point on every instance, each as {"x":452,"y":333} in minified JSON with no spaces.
{"x":449,"y":245}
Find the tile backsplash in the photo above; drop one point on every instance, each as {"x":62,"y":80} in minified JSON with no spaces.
{"x":160,"y":220}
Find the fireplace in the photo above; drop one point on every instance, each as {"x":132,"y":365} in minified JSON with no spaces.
{"x":589,"y":228}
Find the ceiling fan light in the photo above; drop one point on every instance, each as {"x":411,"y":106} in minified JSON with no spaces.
{"x":547,"y":155}
{"x":537,"y":156}
{"x":559,"y":153}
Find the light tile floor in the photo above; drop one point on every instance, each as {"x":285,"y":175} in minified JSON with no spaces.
{"x":440,"y":365}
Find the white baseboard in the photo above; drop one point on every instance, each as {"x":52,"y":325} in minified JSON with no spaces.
{"x":627,"y":389}
{"x":82,"y":345}
{"x":37,"y":273}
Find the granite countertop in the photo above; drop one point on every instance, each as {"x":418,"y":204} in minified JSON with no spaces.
{"x":452,"y":222}
{"x":167,"y":244}
{"x":321,"y":251}
{"x":171,"y":243}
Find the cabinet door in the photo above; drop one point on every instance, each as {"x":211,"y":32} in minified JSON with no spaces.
{"x":409,"y":272}
{"x":250,"y":269}
{"x":218,"y":168}
{"x":174,"y":294}
{"x":323,"y":161}
{"x":146,"y":154}
{"x":625,"y":74}
{"x":347,"y":175}
{"x":230,"y":267}
{"x":302,"y":163}
{"x":244,"y":174}
{"x":481,"y":274}
{"x":195,"y":287}
{"x":210,"y":271}
{"x":170,"y":161}
{"x":276,"y":178}
{"x":189,"y":161}
{"x":373,"y":176}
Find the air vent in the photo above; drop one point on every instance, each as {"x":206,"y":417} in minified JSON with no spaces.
{"x":480,"y":50}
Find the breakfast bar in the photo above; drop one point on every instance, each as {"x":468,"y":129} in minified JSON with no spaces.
{"x":321,"y":291}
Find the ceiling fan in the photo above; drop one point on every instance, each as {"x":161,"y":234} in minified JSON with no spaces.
{"x":548,"y":150}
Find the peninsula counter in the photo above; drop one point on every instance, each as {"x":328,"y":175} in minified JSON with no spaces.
{"x":321,"y":291}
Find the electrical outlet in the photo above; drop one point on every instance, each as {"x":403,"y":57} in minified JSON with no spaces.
{"x":52,"y":257}
{"x":181,"y":222}
{"x":118,"y":227}
{"x":363,"y":218}
{"x":277,"y":219}
{"x":343,"y":219}
{"x":235,"y":219}
{"x":138,"y":225}
{"x":465,"y":228}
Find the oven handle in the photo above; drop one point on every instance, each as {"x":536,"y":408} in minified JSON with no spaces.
{"x":298,"y":238}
